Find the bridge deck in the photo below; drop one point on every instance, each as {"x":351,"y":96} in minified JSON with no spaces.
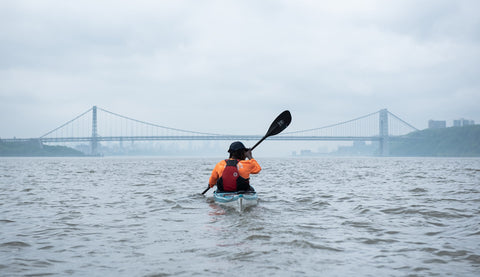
{"x":183,"y":138}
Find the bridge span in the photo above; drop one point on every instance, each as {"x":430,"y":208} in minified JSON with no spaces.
{"x":97,"y":125}
{"x":207,"y":138}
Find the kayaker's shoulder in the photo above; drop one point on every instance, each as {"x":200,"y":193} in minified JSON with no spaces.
{"x":249,"y":161}
{"x":221,"y":163}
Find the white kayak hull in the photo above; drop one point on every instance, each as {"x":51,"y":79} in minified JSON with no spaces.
{"x":237,"y":200}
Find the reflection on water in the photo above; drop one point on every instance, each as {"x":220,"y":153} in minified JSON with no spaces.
{"x":316,"y":216}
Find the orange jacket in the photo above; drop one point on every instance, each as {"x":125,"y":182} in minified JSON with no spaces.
{"x":245,"y":168}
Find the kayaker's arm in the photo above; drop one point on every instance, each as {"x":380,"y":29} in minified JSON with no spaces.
{"x":248,"y":154}
{"x":254,"y":166}
{"x":216,"y":173}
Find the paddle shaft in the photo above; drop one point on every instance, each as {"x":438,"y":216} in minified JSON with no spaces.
{"x":206,"y":189}
{"x":256,"y":144}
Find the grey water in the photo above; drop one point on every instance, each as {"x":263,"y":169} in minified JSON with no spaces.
{"x":316,"y":217}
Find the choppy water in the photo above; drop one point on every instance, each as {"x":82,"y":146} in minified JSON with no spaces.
{"x":316,"y":217}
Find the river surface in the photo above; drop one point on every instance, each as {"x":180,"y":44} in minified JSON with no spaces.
{"x":316,"y":217}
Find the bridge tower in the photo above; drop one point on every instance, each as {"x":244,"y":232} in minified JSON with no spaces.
{"x":94,"y":141}
{"x":383,"y":133}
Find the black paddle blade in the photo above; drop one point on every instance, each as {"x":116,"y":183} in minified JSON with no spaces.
{"x":279,"y":124}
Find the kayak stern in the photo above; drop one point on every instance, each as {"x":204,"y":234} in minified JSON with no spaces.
{"x":239,"y":200}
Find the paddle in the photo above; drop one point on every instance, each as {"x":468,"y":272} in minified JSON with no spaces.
{"x":278,"y":125}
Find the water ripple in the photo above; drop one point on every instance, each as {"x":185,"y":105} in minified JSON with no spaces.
{"x":316,"y":216}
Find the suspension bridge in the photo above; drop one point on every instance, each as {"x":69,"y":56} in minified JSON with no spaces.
{"x":99,"y":125}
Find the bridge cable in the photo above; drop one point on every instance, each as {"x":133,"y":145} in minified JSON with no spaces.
{"x":333,"y":125}
{"x":89,"y":110}
{"x":155,"y":125}
{"x":403,"y":121}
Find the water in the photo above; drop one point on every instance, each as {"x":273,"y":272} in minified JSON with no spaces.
{"x":316,"y":217}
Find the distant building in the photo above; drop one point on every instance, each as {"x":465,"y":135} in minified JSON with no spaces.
{"x":437,"y":124}
{"x":463,"y":122}
{"x":306,"y":152}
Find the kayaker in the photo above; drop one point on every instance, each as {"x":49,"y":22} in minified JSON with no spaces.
{"x":233,"y":174}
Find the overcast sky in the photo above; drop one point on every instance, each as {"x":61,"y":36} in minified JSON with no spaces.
{"x":208,"y":65}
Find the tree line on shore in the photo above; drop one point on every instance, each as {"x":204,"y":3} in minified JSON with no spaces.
{"x":445,"y":142}
{"x":35,"y":148}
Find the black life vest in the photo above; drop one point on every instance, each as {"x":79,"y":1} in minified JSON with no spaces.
{"x":231,"y":179}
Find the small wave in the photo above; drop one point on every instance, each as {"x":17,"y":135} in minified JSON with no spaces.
{"x":474,"y":258}
{"x":159,"y":275}
{"x":55,"y":261}
{"x":346,"y":199}
{"x":474,"y":234}
{"x":168,"y":201}
{"x":258,"y":237}
{"x":362,"y":209}
{"x":434,"y":261}
{"x":156,"y":210}
{"x":458,"y":253}
{"x":42,"y":264}
{"x":139,"y":185}
{"x":437,"y":224}
{"x":417,"y":269}
{"x":309,"y":244}
{"x":150,"y":173}
{"x":431,"y":234}
{"x":439,"y":214}
{"x":177,"y":207}
{"x":417,"y":190}
{"x":86,"y":171}
{"x":429,"y":249}
{"x":426,"y":213}
{"x":304,"y":199}
{"x":319,"y":203}
{"x":377,"y":241}
{"x":15,"y":244}
{"x":357,"y":224}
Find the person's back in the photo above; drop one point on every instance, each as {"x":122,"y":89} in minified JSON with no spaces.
{"x":233,"y":174}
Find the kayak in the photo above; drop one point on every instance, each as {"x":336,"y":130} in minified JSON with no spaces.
{"x":239,"y":200}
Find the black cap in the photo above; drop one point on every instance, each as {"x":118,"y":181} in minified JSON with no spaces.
{"x":237,"y":145}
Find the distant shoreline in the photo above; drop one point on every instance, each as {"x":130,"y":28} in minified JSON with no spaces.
{"x":445,"y":142}
{"x":36,"y":149}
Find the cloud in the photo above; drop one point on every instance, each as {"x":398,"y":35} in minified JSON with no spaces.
{"x":190,"y":64}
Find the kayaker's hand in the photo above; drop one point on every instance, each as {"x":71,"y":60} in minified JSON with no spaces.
{"x":248,"y":154}
{"x":211,"y":186}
